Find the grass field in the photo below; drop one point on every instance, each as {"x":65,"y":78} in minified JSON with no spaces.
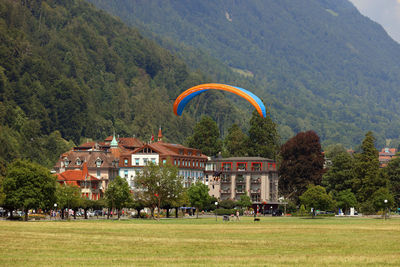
{"x":191,"y":242}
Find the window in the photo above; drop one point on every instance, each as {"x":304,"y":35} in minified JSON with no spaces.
{"x":66,"y":162}
{"x":189,"y":153}
{"x":125,"y":162}
{"x":98,"y":162}
{"x":181,"y":151}
{"x":241,"y":166}
{"x":126,"y":173}
{"x":153,"y":160}
{"x":98,"y":173}
{"x":240,"y":178}
{"x":78,"y":161}
{"x":256,"y":166}
{"x":226,"y":166}
{"x":164,"y":161}
{"x":136,"y":161}
{"x":145,"y":161}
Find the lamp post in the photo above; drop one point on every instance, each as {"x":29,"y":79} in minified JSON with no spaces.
{"x":55,"y":211}
{"x":270,"y":210}
{"x":216,"y":205}
{"x":385,"y":201}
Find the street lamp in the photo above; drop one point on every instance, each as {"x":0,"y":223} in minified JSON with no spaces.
{"x":385,"y":201}
{"x":270,"y":210}
{"x":216,"y":204}
{"x":55,"y":211}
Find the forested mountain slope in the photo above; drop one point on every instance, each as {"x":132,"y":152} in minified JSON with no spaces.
{"x":69,"y":71}
{"x":319,"y":64}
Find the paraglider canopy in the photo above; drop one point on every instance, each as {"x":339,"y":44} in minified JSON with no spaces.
{"x":187,"y":95}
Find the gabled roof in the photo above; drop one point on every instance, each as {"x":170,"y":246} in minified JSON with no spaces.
{"x":88,"y":157}
{"x":76,"y":175}
{"x":128,"y":142}
{"x":166,"y":149}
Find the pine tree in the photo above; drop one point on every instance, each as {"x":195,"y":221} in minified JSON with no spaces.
{"x":236,"y":142}
{"x":340,"y":175}
{"x":368,"y":178}
{"x":206,"y":137}
{"x":263,"y":137}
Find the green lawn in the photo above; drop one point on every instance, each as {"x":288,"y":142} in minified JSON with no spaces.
{"x":189,"y":242}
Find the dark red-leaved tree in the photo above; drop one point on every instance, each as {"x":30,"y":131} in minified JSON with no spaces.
{"x":302,"y":164}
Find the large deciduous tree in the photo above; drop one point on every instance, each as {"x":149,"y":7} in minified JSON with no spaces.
{"x":302,"y":164}
{"x":68,"y":197}
{"x":160,"y":184}
{"x":316,"y":197}
{"x":118,"y":194}
{"x":345,"y":200}
{"x":263,"y":136}
{"x":206,"y":137}
{"x":28,"y":186}
{"x":198,"y":196}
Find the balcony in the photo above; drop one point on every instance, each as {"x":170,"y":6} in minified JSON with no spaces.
{"x":255,"y":191}
{"x":239,"y":191}
{"x":241,"y":181}
{"x":256,"y":181}
{"x":226,"y":191}
{"x":226,"y":181}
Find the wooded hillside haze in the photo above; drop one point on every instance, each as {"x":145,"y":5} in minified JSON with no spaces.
{"x":318,"y":64}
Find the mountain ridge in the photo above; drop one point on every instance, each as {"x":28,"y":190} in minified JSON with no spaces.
{"x":320,"y":65}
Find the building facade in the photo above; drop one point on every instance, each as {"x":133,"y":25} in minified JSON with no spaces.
{"x":90,"y":186}
{"x":189,"y":161}
{"x":386,"y":155}
{"x":230,"y":178}
{"x":101,"y":164}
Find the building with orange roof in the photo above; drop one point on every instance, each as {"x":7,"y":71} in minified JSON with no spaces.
{"x":385,"y":155}
{"x":190,"y":161}
{"x":101,"y":164}
{"x":89,"y":185}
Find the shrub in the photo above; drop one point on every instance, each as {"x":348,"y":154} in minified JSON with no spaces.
{"x":15,"y":218}
{"x":229,"y":212}
{"x":36,"y":216}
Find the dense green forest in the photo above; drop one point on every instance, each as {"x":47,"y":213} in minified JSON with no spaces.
{"x":69,"y":72}
{"x":318,"y":64}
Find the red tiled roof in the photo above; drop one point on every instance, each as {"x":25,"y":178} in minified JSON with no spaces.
{"x":76,"y":175}
{"x":126,"y":141}
{"x":166,"y":149}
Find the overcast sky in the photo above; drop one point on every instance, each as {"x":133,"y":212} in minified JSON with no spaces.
{"x":385,"y":12}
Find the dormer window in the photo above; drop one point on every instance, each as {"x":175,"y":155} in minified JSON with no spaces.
{"x":98,"y":162}
{"x":66,"y":162}
{"x":78,"y":162}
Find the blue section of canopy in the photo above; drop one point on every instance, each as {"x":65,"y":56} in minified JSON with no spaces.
{"x":257,"y":99}
{"x":186,"y":100}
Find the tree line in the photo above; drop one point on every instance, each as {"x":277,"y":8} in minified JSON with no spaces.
{"x":337,"y":179}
